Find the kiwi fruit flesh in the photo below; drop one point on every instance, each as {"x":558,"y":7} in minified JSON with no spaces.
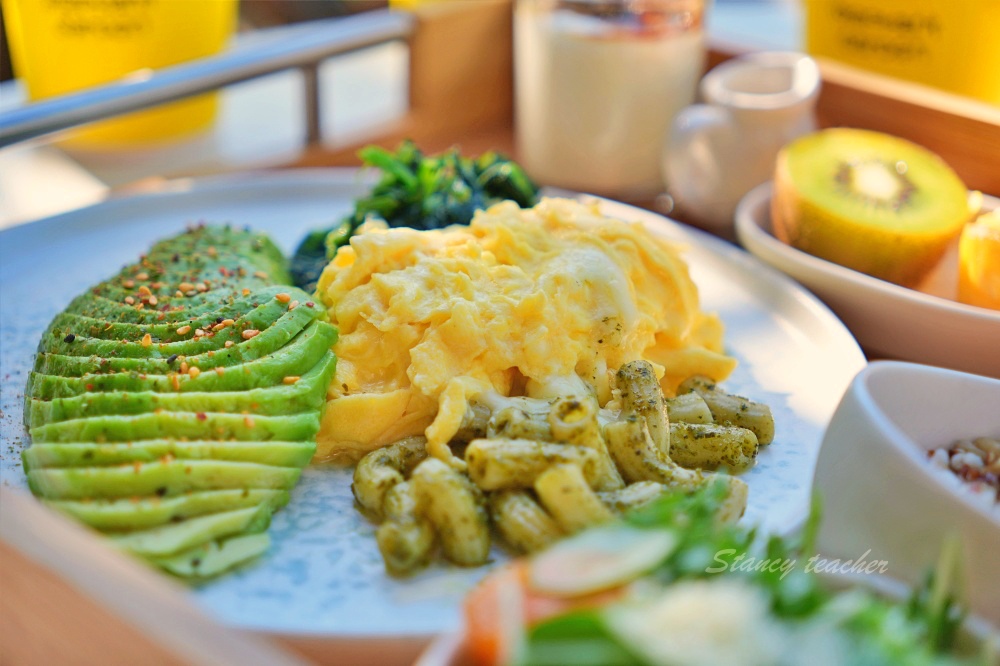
{"x":869,"y":201}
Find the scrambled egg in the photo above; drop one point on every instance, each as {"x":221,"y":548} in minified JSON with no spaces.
{"x":541,"y":302}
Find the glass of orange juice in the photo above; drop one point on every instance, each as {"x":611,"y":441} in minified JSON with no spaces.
{"x":60,"y":46}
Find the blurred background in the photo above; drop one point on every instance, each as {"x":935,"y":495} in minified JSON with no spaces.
{"x":451,"y":82}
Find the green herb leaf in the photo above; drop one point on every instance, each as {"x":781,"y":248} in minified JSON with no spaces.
{"x":420,"y":192}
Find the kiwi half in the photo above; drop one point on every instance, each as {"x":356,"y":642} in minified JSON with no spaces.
{"x":869,"y":201}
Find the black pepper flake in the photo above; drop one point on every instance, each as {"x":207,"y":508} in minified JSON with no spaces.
{"x":175,"y":258}
{"x":171,"y":359}
{"x":161,"y":491}
{"x":69,"y":338}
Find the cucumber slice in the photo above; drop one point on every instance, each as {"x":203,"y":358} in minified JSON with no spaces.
{"x":598,"y":559}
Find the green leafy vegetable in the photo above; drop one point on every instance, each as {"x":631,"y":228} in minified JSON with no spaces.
{"x":580,"y":639}
{"x":418,"y":191}
{"x":806,"y":612}
{"x":315,"y":252}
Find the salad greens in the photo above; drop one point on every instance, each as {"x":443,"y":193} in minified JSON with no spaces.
{"x":418,"y":191}
{"x":802,"y":618}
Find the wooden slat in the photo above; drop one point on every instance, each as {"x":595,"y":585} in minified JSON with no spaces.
{"x":964,"y":132}
{"x":68,"y":598}
{"x":461,"y":85}
{"x":462,"y":68}
{"x":45,"y":620}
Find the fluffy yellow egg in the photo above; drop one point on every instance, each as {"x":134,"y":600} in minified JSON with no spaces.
{"x":540,"y":302}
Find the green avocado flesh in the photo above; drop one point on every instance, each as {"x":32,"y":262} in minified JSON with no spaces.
{"x":128,"y":514}
{"x":293,"y":360}
{"x":85,"y":327}
{"x":173,"y":406}
{"x":271,"y":452}
{"x":309,"y":393}
{"x":169,"y":539}
{"x":214,"y":557}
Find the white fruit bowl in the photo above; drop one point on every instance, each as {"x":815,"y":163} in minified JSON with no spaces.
{"x":923,"y":325}
{"x":883,"y":500}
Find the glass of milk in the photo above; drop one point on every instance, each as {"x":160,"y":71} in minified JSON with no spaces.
{"x":597,"y":84}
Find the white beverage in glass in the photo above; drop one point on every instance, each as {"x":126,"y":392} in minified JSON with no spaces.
{"x":597,"y":86}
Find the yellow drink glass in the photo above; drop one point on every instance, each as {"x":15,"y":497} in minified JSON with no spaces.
{"x":60,"y":46}
{"x":953,"y":46}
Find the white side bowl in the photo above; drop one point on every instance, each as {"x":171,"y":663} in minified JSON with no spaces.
{"x":888,"y":320}
{"x":882,"y":499}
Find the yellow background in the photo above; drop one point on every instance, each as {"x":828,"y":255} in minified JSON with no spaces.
{"x":954,"y":46}
{"x":59,"y":46}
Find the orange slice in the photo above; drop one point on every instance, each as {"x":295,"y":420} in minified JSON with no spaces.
{"x":979,"y":262}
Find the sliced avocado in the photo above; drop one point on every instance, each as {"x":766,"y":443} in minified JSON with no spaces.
{"x":216,"y":557}
{"x":161,"y":275}
{"x":91,"y":305}
{"x":169,"y":539}
{"x":280,"y":454}
{"x":170,"y":290}
{"x":293,"y":360}
{"x":230,"y":260}
{"x":198,"y":238}
{"x":226,"y":306}
{"x":179,"y":254}
{"x":194,"y":352}
{"x":138,"y":513}
{"x":308,"y":393}
{"x":175,"y":444}
{"x":200,"y":425}
{"x":266,"y":312}
{"x":164,"y":479}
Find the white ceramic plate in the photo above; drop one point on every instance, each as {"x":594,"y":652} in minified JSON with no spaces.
{"x":323,"y":577}
{"x":922,"y":325}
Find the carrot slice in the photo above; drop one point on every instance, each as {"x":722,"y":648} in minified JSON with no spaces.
{"x":499,"y":611}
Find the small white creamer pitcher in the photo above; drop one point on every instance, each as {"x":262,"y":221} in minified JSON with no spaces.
{"x":720,"y":150}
